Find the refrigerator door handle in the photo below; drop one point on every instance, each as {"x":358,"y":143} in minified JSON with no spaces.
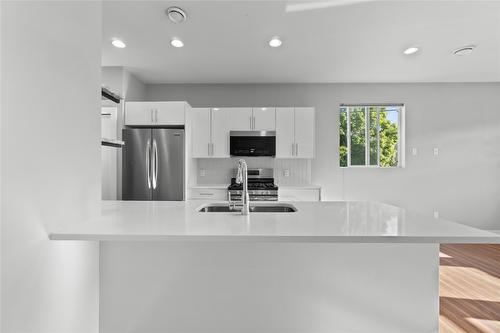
{"x":155,"y":165}
{"x":148,"y":162}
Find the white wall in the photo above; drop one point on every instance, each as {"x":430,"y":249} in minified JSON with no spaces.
{"x":461,"y":119}
{"x":50,"y":153}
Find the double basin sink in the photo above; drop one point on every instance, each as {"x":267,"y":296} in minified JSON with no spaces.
{"x":254,"y":208}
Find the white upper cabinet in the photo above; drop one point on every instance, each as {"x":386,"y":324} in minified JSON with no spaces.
{"x":170,"y":113}
{"x":264,"y":119}
{"x":285,"y":140}
{"x":294,"y":129}
{"x":238,"y":119}
{"x":155,"y":113}
{"x":201,"y":127}
{"x":138,"y":113}
{"x":295,"y":132}
{"x":304,"y":132}
{"x":210,"y":128}
{"x":223,"y":120}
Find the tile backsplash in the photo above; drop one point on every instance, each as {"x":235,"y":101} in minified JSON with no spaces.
{"x":286,"y":171}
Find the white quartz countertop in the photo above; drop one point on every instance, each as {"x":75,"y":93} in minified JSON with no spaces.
{"x":330,"y":221}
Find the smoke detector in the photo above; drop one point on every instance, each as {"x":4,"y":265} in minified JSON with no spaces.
{"x":464,"y":50}
{"x":176,"y":14}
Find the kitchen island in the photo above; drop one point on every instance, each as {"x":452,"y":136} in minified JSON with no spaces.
{"x":328,"y":267}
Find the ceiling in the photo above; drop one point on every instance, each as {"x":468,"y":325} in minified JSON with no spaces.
{"x":352,"y":41}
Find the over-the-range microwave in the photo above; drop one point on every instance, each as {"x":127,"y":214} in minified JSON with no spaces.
{"x":252,"y":143}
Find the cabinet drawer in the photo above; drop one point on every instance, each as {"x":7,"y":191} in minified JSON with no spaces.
{"x":309,"y":194}
{"x":207,"y":193}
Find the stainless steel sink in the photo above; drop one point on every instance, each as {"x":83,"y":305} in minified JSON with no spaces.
{"x":254,"y":208}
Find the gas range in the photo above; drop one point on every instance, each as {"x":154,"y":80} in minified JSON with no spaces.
{"x":261,"y":186}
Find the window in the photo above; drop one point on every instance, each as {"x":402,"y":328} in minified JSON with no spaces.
{"x":371,"y":135}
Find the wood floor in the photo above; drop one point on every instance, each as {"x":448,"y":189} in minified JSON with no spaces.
{"x":469,"y":288}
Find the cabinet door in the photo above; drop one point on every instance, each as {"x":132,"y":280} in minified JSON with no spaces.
{"x":168,"y":113}
{"x":200,"y":124}
{"x":239,"y":119}
{"x":138,"y":113}
{"x":264,"y":119}
{"x":222,"y":119}
{"x":304,"y":132}
{"x":284,"y":132}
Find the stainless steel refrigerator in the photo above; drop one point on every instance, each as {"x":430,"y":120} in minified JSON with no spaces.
{"x":153,"y":164}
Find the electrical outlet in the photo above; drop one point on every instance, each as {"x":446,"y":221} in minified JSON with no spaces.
{"x":436,"y":151}
{"x":286,"y":173}
{"x":414,"y":151}
{"x":436,"y":214}
{"x":203,"y":172}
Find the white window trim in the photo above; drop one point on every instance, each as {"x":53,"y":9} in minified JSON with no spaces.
{"x":401,"y":134}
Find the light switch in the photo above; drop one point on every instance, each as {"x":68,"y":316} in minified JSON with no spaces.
{"x":436,"y":151}
{"x":202,"y":172}
{"x":414,"y":151}
{"x":286,"y":173}
{"x":436,"y":214}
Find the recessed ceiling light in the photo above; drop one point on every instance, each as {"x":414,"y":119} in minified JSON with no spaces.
{"x":118,"y":43}
{"x":176,"y":42}
{"x":275,"y":42}
{"x":176,"y":14}
{"x":411,"y":50}
{"x":465,"y":50}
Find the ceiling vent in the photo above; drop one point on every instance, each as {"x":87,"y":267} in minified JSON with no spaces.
{"x":464,"y":50}
{"x":176,"y":14}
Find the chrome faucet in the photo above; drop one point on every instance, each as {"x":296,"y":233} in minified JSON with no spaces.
{"x":242,"y":178}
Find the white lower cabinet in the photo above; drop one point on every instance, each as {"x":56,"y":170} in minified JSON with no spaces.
{"x":206,"y":193}
{"x":299,"y":194}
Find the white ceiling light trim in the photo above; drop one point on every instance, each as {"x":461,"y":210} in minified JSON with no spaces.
{"x":275,"y":42}
{"x":118,"y":43}
{"x":411,"y":50}
{"x":176,"y":42}
{"x":464,"y":50}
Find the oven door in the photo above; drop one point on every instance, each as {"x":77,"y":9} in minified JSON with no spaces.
{"x":252,"y":143}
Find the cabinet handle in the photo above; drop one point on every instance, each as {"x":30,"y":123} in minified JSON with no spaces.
{"x":152,"y":119}
{"x":208,"y":149}
{"x":212,"y":148}
{"x":296,"y":149}
{"x":156,"y":115}
{"x":206,"y":193}
{"x":251,"y":126}
{"x":293,"y":149}
{"x":253,"y":123}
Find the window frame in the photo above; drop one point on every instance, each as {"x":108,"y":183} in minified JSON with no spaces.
{"x":401,"y":133}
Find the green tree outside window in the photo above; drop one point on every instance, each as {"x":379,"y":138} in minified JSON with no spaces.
{"x":381,"y":124}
